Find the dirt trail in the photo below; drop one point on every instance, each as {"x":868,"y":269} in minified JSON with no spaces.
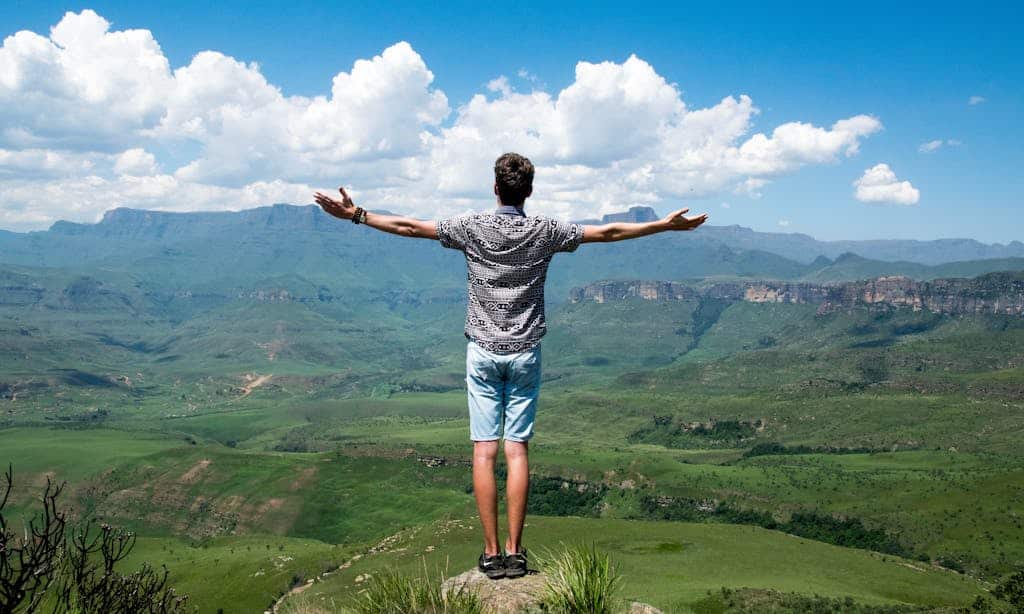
{"x":384,"y":545}
{"x":253,"y":381}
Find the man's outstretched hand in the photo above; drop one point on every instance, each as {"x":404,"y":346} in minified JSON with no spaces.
{"x":677,"y":220}
{"x":343,"y":208}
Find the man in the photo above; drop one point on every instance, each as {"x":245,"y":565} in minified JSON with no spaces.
{"x":507,"y":256}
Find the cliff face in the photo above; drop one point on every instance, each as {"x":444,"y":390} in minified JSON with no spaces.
{"x":995,"y":293}
{"x":603,"y":292}
{"x":754,"y":292}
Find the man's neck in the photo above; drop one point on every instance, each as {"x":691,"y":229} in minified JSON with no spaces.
{"x":510,"y":210}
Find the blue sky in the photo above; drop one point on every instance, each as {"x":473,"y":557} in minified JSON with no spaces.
{"x":912,"y":70}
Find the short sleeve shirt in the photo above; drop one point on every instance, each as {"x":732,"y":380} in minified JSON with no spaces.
{"x":507,"y":258}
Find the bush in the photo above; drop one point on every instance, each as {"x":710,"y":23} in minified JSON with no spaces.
{"x":581,"y":580}
{"x":393,"y":593}
{"x":55,"y":568}
{"x":1011,"y":591}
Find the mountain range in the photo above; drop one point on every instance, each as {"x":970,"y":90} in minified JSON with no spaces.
{"x":302,"y":249}
{"x":804,"y":248}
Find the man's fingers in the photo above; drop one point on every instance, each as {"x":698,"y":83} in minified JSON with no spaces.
{"x":689,"y":223}
{"x":326,"y":202}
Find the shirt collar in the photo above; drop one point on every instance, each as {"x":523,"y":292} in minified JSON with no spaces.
{"x":509,"y":210}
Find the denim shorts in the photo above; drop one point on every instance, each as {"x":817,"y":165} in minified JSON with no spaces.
{"x":503,"y":391}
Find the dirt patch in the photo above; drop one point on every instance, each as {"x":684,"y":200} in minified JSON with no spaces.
{"x":304,"y":478}
{"x":231,"y":503}
{"x":270,"y":504}
{"x":192,"y":474}
{"x":253,"y":381}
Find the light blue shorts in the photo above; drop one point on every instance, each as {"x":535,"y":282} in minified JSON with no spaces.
{"x":503,"y":391}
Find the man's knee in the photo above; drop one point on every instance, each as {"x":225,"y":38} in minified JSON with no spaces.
{"x":516,"y":450}
{"x":485,"y":451}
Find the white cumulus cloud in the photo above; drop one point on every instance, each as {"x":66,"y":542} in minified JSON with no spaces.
{"x":879,"y":184}
{"x":83,"y":87}
{"x":135,"y":161}
{"x":88,"y":110}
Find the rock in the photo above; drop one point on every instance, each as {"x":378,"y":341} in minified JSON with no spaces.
{"x":505,"y":596}
{"x":515,"y":596}
{"x":642,"y":608}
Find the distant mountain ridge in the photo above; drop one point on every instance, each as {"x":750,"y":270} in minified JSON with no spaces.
{"x":126,"y":222}
{"x":805,"y":248}
{"x":207,"y":254}
{"x":993,"y":293}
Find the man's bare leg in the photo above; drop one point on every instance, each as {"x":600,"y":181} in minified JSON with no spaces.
{"x":486,"y":492}
{"x":517,"y":487}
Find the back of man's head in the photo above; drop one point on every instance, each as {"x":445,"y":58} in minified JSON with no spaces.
{"x":513,"y":178}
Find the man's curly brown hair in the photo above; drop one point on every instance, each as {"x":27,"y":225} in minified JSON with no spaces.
{"x":513,"y":174}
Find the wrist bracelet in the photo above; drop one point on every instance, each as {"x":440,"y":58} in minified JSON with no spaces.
{"x":360,"y":216}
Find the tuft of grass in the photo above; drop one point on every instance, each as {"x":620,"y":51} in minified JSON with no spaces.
{"x":307,"y":604}
{"x":581,"y":580}
{"x":394,"y":593}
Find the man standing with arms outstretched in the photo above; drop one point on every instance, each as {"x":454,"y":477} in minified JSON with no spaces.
{"x":507,"y":256}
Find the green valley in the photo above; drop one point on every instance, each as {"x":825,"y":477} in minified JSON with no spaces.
{"x":268,"y":399}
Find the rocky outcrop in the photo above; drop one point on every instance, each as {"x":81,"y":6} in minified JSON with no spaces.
{"x":518,"y":596}
{"x":994,"y":293}
{"x":799,"y":293}
{"x":603,"y":292}
{"x":754,"y":292}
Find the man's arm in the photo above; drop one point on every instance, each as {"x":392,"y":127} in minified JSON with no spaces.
{"x":620,"y":231}
{"x":395,"y":224}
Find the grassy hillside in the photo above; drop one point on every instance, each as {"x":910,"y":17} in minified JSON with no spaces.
{"x":678,"y":567}
{"x":281,"y":423}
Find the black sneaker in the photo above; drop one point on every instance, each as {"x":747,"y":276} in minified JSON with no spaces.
{"x":492,"y":566}
{"x":515,"y":564}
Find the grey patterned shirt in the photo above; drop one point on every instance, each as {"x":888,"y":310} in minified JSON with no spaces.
{"x":507,"y":257}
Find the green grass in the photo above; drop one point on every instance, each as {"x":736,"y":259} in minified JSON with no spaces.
{"x":672,"y":565}
{"x":580,"y":579}
{"x":237,"y":574}
{"x":73,"y":454}
{"x":394,"y":593}
{"x":158,"y":435}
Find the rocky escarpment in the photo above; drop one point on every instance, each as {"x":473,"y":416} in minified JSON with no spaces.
{"x":994,"y":293}
{"x":520,"y":596}
{"x":606,"y":291}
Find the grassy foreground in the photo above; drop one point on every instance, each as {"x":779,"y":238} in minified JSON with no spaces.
{"x":673,"y":565}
